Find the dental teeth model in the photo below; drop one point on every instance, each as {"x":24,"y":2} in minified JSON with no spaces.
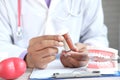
{"x":104,"y":59}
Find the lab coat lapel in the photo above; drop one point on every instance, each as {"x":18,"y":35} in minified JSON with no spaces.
{"x":49,"y":27}
{"x":42,"y":2}
{"x":53,"y":4}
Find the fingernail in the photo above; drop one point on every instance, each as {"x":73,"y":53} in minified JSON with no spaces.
{"x":61,"y":38}
{"x":67,"y":54}
{"x":61,"y":43}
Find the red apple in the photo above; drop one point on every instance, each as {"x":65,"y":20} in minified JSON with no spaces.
{"x":12,"y":68}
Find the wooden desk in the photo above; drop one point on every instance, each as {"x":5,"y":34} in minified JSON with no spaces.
{"x":28,"y":72}
{"x":26,"y":75}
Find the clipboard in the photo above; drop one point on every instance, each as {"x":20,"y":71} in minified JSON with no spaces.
{"x":86,"y":75}
{"x":51,"y":73}
{"x":63,"y":76}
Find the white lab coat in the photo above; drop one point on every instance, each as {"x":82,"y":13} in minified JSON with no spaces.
{"x":82,"y":18}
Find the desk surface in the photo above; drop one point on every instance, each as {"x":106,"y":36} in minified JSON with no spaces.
{"x":26,"y":75}
{"x":28,"y":72}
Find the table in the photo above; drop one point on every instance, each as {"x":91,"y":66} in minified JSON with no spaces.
{"x":26,"y":75}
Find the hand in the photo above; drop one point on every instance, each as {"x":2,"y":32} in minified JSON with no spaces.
{"x":42,"y":50}
{"x":74,"y":59}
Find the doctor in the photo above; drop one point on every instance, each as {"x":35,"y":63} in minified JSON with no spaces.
{"x":30,"y":29}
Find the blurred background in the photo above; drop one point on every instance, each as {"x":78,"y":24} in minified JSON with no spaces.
{"x":112,"y":21}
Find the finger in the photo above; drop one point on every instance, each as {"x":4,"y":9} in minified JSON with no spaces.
{"x":45,"y":52}
{"x":81,"y":46}
{"x":44,"y":61}
{"x":65,"y":61}
{"x":83,"y":63}
{"x":80,"y":56}
{"x":52,"y":37}
{"x":47,"y":43}
{"x":74,"y":62}
{"x":75,"y":58}
{"x":69,"y":64}
{"x":46,"y":37}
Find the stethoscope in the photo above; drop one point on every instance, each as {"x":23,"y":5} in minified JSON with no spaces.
{"x":69,"y":10}
{"x":19,"y":29}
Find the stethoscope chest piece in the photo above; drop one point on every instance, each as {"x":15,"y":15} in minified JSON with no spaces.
{"x":19,"y":33}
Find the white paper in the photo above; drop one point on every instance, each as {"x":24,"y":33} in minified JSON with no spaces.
{"x":53,"y":67}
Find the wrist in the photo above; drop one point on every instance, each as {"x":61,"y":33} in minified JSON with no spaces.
{"x":28,"y":61}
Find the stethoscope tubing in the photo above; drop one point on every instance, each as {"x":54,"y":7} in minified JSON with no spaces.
{"x":19,"y":30}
